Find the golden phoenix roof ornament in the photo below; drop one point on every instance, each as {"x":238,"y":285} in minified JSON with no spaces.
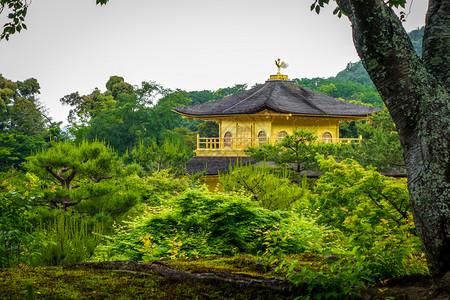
{"x":280,"y":64}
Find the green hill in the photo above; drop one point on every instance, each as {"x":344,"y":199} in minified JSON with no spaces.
{"x":355,"y":72}
{"x":353,"y":83}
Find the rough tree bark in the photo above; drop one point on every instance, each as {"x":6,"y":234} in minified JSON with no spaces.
{"x":416,"y":93}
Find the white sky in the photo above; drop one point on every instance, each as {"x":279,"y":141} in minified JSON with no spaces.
{"x":74,"y":45}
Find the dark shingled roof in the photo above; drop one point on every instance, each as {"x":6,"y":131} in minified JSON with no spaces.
{"x":282,"y":97}
{"x":213,"y":164}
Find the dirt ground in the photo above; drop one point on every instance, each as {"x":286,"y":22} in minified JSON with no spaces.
{"x":410,"y":287}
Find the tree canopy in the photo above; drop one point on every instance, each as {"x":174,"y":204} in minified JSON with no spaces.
{"x":24,"y":126}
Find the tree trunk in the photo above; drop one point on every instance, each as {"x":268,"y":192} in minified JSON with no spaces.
{"x":416,"y":94}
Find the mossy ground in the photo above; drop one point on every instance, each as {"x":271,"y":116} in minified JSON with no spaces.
{"x":72,"y":282}
{"x":241,"y":264}
{"x":75,"y":282}
{"x":59,"y":283}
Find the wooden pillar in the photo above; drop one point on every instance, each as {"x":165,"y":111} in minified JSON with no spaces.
{"x":253,"y":135}
{"x":236,"y":136}
{"x":221,"y":145}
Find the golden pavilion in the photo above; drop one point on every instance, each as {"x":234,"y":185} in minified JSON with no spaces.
{"x":265,"y":114}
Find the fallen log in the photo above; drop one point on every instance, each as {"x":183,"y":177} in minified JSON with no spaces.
{"x":170,"y":273}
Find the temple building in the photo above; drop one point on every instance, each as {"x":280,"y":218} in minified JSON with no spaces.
{"x":265,"y":114}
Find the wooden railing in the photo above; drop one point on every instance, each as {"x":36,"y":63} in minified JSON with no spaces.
{"x":243,"y":143}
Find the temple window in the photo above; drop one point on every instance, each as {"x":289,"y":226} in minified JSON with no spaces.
{"x":281,"y":135}
{"x":326,"y":137}
{"x":262,"y":137}
{"x":244,"y":132}
{"x":227,"y":139}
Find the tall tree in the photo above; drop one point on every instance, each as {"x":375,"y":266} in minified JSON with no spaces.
{"x":416,"y":92}
{"x":144,"y":114}
{"x":20,"y":110}
{"x":88,"y":106}
{"x":24,"y":128}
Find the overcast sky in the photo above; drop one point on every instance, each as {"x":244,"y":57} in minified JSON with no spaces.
{"x":74,"y":45}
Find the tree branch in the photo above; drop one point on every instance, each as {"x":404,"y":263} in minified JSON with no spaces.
{"x":62,"y":171}
{"x":54,"y":181}
{"x":399,"y":223}
{"x":69,"y":204}
{"x":59,"y":178}
{"x":98,"y":179}
{"x":170,"y":273}
{"x":391,"y":163}
{"x":435,"y":41}
{"x":70,"y":178}
{"x":395,"y":206}
{"x":255,"y":194}
{"x":388,"y":56}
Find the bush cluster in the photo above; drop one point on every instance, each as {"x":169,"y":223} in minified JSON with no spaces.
{"x":213,"y":224}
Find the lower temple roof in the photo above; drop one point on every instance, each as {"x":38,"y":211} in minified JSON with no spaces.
{"x":212,"y":165}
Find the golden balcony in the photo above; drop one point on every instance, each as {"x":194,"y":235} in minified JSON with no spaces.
{"x":232,"y":146}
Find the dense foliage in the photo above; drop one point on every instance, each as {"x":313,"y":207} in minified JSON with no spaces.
{"x":111,"y":188}
{"x":350,"y":213}
{"x":200,"y":223}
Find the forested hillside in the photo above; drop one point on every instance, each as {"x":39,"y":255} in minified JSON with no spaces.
{"x":354,"y":83}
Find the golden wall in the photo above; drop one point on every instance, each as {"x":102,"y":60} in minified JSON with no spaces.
{"x":245,"y":127}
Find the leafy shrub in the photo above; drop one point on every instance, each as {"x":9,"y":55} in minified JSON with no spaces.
{"x":211,"y":224}
{"x":271,"y":188}
{"x":347,"y":184}
{"x":18,"y":244}
{"x":372,"y":213}
{"x":374,"y":253}
{"x":386,"y":248}
{"x":338,"y":277}
{"x":155,"y":188}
